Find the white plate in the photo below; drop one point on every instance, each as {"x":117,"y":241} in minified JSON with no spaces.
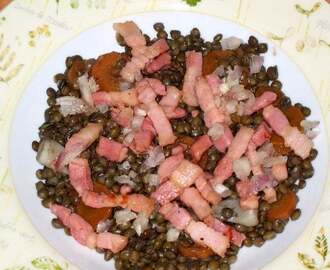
{"x":101,"y":39}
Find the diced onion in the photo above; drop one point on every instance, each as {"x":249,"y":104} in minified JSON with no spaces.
{"x":307,"y":125}
{"x":271,"y":161}
{"x":124,"y":179}
{"x":124,"y":216}
{"x":156,"y":156}
{"x":256,"y":63}
{"x":222,"y":190}
{"x":231,"y":43}
{"x":137,"y":122}
{"x":124,"y":85}
{"x":102,"y":108}
{"x":216,"y":131}
{"x":153,"y":179}
{"x":231,"y":106}
{"x":48,"y":151}
{"x":244,"y":217}
{"x":103,"y":226}
{"x":125,"y":166}
{"x":140,"y":224}
{"x":72,"y":105}
{"x":242,"y":168}
{"x":87,"y":86}
{"x":172,"y":235}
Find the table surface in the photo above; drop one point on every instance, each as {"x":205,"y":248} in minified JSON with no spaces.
{"x":33,"y":29}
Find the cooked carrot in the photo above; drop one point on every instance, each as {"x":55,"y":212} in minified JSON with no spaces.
{"x":105,"y":73}
{"x":195,"y":251}
{"x":94,"y":215}
{"x":215,"y":58}
{"x":279,"y":145}
{"x":284,"y":207}
{"x":295,"y":116}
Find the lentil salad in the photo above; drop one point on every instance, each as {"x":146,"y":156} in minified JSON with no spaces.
{"x":189,"y":129}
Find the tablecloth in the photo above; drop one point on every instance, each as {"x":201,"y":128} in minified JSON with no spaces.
{"x":30,"y":30}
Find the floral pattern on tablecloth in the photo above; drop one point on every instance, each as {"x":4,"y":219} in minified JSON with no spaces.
{"x":300,"y":27}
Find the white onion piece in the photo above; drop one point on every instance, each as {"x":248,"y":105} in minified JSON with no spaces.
{"x":102,"y":108}
{"x":271,"y":161}
{"x":156,"y":156}
{"x":140,"y":224}
{"x":172,"y":235}
{"x":231,"y":43}
{"x":234,"y":75}
{"x":268,"y":148}
{"x":244,"y":217}
{"x":124,"y":179}
{"x":48,"y":151}
{"x":256,"y":63}
{"x":128,"y":138}
{"x":139,"y":111}
{"x":261,"y":156}
{"x":224,"y":88}
{"x":87,"y":87}
{"x":231,"y":106}
{"x":312,"y":133}
{"x":73,"y":105}
{"x":103,"y":226}
{"x":222,"y":190}
{"x":153,"y":179}
{"x":124,"y":85}
{"x":220,"y":71}
{"x":124,"y":216}
{"x":242,"y":167}
{"x":137,"y":122}
{"x":216,"y":131}
{"x":307,"y":125}
{"x":125,"y":166}
{"x":132,"y":174}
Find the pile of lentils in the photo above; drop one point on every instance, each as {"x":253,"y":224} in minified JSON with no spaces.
{"x":151,"y":250}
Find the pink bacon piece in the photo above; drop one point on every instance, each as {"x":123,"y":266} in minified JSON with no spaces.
{"x":251,"y":202}
{"x":237,"y":148}
{"x":234,"y":236}
{"x":206,"y":236}
{"x":261,"y":136}
{"x":261,"y":102}
{"x":166,"y":192}
{"x":179,"y":217}
{"x":270,"y":195}
{"x":167,"y":167}
{"x":111,"y":150}
{"x":214,"y":82}
{"x":131,"y":33}
{"x":225,"y":140}
{"x":293,"y":138}
{"x":79,"y":142}
{"x":119,"y":99}
{"x":207,"y":191}
{"x":202,"y":144}
{"x":170,"y":102}
{"x":194,"y":61}
{"x":142,"y":141}
{"x":122,"y":116}
{"x":80,"y":175}
{"x":280,"y":172}
{"x":141,"y":56}
{"x":185,"y":174}
{"x":83,"y":232}
{"x":114,"y":242}
{"x":192,"y":198}
{"x":161,"y":124}
{"x":136,"y":202}
{"x":158,"y":63}
{"x":205,"y":99}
